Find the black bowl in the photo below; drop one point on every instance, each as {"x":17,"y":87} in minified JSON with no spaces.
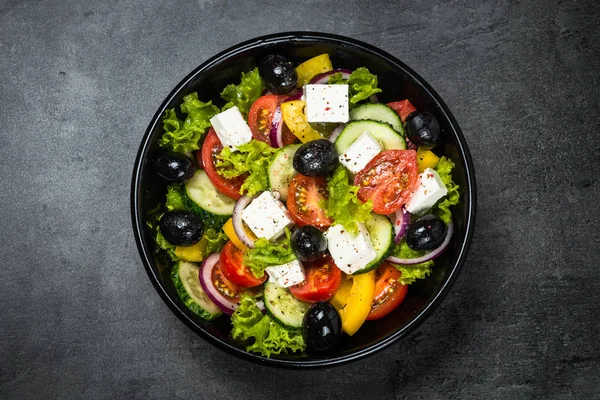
{"x":398,"y":82}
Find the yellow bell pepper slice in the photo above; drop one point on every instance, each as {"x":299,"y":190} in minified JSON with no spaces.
{"x":230,"y":232}
{"x":426,"y":159}
{"x":309,"y":68}
{"x":294,"y":118}
{"x":340,"y":298}
{"x":194,"y":253}
{"x":358,"y":305}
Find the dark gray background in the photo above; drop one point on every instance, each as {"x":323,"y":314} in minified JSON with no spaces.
{"x":79,"y":82}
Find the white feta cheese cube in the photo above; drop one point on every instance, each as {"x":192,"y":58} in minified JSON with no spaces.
{"x":350,"y":252}
{"x":327,"y":103}
{"x":286,"y":275}
{"x":431,"y":188}
{"x":266,"y":216}
{"x":358,"y":155}
{"x":231,"y":128}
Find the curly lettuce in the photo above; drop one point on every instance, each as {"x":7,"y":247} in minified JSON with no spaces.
{"x":215,"y":240}
{"x":442,"y":209}
{"x":251,"y":159}
{"x":266,"y":253}
{"x":362,"y":84}
{"x":269,"y":337}
{"x":342,"y":204}
{"x":184,"y":136}
{"x":243,"y":95}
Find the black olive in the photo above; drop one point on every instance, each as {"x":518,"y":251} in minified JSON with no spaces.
{"x":278,"y":73}
{"x":322,"y":326}
{"x":316,"y":158}
{"x":174,"y":167}
{"x":423,"y":129}
{"x":181,"y":228}
{"x":308,"y":243}
{"x":426,"y":233}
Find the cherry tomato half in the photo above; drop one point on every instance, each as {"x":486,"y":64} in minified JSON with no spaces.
{"x":323,"y":279}
{"x":304,"y":195}
{"x":389,"y":180}
{"x":261,"y":116}
{"x":389,"y":292}
{"x":232,"y":265}
{"x":211,"y":148}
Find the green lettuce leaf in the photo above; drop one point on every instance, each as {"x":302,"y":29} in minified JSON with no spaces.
{"x":215,"y":240}
{"x":362,"y":84}
{"x":244,"y":94}
{"x":164,"y":244}
{"x":269,"y":337}
{"x":266,"y":253}
{"x":184,"y":136}
{"x":251,"y":159}
{"x":175,"y":201}
{"x":342,"y":205}
{"x":411,"y":273}
{"x":442,"y":209}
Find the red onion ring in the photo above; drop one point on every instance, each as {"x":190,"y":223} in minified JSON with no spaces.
{"x":429,"y":256}
{"x":205,"y":277}
{"x":336,"y":132}
{"x":276,"y":128}
{"x":410,"y":145}
{"x":323,"y":78}
{"x":400,"y":219}
{"x":238,"y":224}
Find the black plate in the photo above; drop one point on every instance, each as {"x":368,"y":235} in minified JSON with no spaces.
{"x":398,"y":82}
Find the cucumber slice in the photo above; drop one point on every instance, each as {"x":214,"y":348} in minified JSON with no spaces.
{"x":378,"y":112}
{"x":281,"y":170}
{"x":202,"y":192}
{"x":283,"y":306}
{"x":381,"y":232}
{"x":384,"y":133}
{"x":187,"y":283}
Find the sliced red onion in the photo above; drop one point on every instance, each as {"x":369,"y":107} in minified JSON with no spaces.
{"x":238,"y":224}
{"x":400,"y":219}
{"x":429,"y":256}
{"x":323,"y":78}
{"x":295,"y":96}
{"x":336,"y":132}
{"x":205,"y":277}
{"x":276,"y":128}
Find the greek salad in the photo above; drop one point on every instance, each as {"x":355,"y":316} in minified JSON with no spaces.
{"x":303,"y":207}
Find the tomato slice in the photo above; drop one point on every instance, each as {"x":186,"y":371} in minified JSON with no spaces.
{"x":304,"y":195}
{"x":403,"y":108}
{"x":323,"y":279}
{"x":389,"y":180}
{"x":222,"y":285}
{"x":207,"y":157}
{"x":389,"y":292}
{"x":234,"y":269}
{"x":261,"y":116}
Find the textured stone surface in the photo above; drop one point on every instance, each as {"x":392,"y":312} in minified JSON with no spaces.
{"x":80,"y":81}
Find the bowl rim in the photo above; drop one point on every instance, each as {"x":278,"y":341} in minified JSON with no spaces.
{"x":304,"y":37}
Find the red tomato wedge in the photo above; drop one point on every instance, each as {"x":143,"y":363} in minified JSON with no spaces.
{"x":323,"y":279}
{"x":261,"y":116}
{"x":234,"y":269}
{"x":403,"y":108}
{"x":389,"y":292}
{"x":210,"y":150}
{"x":304,"y":195}
{"x":389,"y":180}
